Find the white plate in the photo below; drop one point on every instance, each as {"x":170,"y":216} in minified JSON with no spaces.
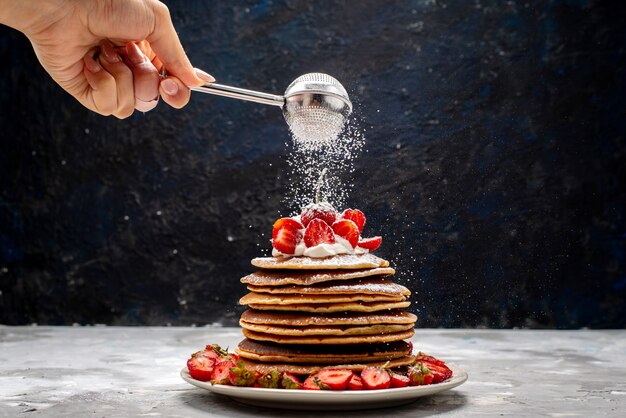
{"x":320,"y":400}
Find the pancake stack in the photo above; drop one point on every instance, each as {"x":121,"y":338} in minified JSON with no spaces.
{"x":309,"y":313}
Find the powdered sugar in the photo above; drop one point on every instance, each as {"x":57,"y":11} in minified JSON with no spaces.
{"x":307,"y":159}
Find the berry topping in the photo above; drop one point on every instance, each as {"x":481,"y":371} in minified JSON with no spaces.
{"x":289,"y":381}
{"x":356,"y":383}
{"x":375,"y":378}
{"x":355,"y":216}
{"x":318,"y":232}
{"x":286,"y":235}
{"x":348,"y":230}
{"x":335,"y":379}
{"x":324,"y":211}
{"x":370,"y":243}
{"x":200,"y":367}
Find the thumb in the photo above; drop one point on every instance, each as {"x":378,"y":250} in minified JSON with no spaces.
{"x":165,"y":43}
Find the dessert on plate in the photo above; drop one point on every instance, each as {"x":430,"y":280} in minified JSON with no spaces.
{"x":323,"y":313}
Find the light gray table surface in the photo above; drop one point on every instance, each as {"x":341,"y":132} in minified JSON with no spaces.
{"x":126,"y":372}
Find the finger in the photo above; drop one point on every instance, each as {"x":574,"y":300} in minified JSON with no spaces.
{"x":174,"y":92}
{"x":165,"y":43}
{"x":111,"y":61}
{"x":144,"y":46}
{"x":146,"y":106}
{"x":101,"y":95}
{"x":145,"y":77}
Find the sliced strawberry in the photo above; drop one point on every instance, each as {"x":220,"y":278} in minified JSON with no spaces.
{"x":375,"y":378}
{"x":242,"y":376}
{"x":335,"y":379}
{"x":270,"y":379}
{"x":355,"y":216}
{"x":437,"y":367}
{"x":370,"y":243}
{"x":216,"y":352}
{"x":200,"y":367}
{"x":313,"y":383}
{"x":398,"y":380}
{"x":286,"y":234}
{"x":348,"y":230}
{"x":318,"y":232}
{"x":420,"y":375}
{"x":439,"y":372}
{"x":421,"y":356}
{"x":289,"y":381}
{"x":324,"y":211}
{"x":356,"y":383}
{"x":221,"y":373}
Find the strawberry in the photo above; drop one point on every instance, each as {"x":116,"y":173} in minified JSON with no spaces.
{"x":221,"y":373}
{"x":313,"y":383}
{"x":318,"y":232}
{"x":289,"y":381}
{"x":286,"y":235}
{"x":324,"y":211}
{"x":335,"y":379}
{"x":348,"y":230}
{"x":420,"y":375}
{"x":356,"y":383}
{"x":370,"y":243}
{"x":241,"y":376}
{"x":421,"y":356}
{"x":200,"y":367}
{"x":437,"y":367}
{"x":355,"y":216}
{"x":216,"y":353}
{"x":398,"y":380}
{"x":375,"y":378}
{"x":440,"y":373}
{"x":270,"y":379}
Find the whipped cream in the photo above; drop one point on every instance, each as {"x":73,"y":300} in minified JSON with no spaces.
{"x":340,"y":246}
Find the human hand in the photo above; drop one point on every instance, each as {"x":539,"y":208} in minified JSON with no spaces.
{"x":108,"y":54}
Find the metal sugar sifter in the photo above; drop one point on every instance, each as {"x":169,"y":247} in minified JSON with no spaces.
{"x":315,"y":105}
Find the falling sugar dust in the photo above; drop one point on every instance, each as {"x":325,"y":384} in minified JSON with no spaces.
{"x":307,"y":159}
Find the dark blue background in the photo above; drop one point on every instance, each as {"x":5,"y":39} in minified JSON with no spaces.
{"x":495,"y":165}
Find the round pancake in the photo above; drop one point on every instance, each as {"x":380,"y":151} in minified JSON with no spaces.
{"x":302,"y":319}
{"x":306,"y":278}
{"x":334,"y":340}
{"x":270,"y":299}
{"x":369,"y":286}
{"x":327,"y":330}
{"x":343,"y":261}
{"x":334,"y":307}
{"x":307,"y":369}
{"x":361,"y":353}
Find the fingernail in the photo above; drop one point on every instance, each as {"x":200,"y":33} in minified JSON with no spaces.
{"x":204,"y":76}
{"x":169,"y":86}
{"x":91,"y":64}
{"x":110,"y":54}
{"x":134,"y":53}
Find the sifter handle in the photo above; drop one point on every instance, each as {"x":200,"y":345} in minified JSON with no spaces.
{"x":242,"y":94}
